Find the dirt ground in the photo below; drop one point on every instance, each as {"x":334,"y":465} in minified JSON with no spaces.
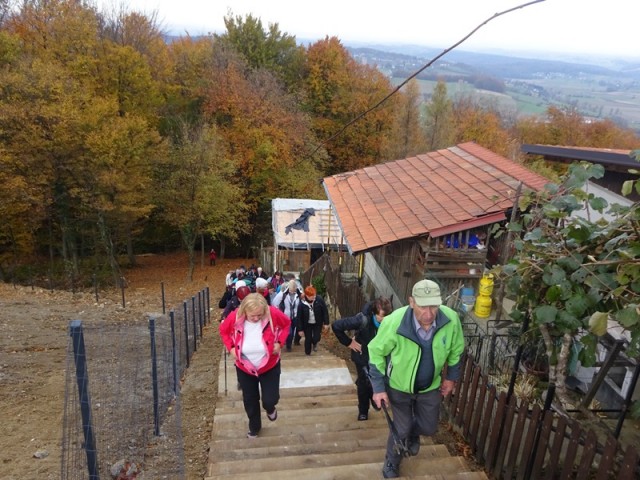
{"x":33,"y":339}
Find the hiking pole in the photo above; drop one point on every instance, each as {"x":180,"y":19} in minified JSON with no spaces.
{"x":400,"y":446}
{"x":225,"y":372}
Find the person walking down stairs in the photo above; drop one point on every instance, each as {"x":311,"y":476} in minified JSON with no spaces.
{"x":365,"y":326}
{"x":253,"y":335}
{"x":406,"y":361}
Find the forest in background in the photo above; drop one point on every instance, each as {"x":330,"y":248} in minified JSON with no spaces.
{"x":115,"y":142}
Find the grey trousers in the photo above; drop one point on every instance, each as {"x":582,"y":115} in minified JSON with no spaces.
{"x":413,"y":415}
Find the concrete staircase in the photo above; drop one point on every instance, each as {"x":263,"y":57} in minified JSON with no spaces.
{"x":317,"y":435}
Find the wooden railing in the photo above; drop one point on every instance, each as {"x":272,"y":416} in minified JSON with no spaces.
{"x":516,"y":441}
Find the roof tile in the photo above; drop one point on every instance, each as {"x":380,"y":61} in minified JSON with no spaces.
{"x":410,"y":197}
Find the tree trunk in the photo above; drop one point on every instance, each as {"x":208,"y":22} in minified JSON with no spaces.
{"x":130,"y":254}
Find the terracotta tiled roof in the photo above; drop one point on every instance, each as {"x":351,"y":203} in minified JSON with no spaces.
{"x":433,"y":192}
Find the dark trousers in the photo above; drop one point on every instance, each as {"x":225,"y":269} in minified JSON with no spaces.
{"x":312,"y":334}
{"x":251,"y":386}
{"x":364,"y":388}
{"x":293,"y":333}
{"x":413,"y":415}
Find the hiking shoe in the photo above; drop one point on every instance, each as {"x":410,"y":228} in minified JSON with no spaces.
{"x":362,"y":417}
{"x":414,"y":446}
{"x":252,"y":435}
{"x":390,"y":470}
{"x":273,"y":415}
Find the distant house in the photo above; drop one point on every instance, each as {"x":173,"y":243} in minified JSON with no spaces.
{"x":427,"y":216}
{"x":616,"y":163}
{"x":302,"y":231}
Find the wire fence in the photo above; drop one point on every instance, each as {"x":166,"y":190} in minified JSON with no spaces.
{"x":122,"y":416}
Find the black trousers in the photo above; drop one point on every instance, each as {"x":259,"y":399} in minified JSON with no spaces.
{"x":312,"y":334}
{"x":364,"y":388}
{"x":268,"y":384}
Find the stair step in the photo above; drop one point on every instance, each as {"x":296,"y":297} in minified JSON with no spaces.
{"x":365,"y":438}
{"x":289,"y":414}
{"x":316,"y":460}
{"x":426,"y":468}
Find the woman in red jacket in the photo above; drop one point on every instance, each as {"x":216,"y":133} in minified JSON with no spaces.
{"x":253,"y":335}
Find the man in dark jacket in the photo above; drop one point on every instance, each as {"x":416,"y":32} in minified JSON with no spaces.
{"x":364,"y":326}
{"x":313,"y":316}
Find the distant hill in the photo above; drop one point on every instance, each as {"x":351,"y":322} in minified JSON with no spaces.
{"x":604,"y":88}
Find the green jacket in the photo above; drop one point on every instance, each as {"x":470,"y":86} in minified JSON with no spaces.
{"x":396,"y":344}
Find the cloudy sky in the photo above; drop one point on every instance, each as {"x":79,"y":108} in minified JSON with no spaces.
{"x":597,"y":27}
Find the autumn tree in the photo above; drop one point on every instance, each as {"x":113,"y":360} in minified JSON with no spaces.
{"x":268,"y":49}
{"x":407,"y":136}
{"x":439,"y":126}
{"x":267,"y":136}
{"x":338,"y":90}
{"x":482,"y":125}
{"x":195,"y":191}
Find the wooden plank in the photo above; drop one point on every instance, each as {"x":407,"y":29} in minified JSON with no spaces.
{"x":607,"y":459}
{"x":463,"y":394}
{"x":496,"y":430}
{"x":543,"y":444}
{"x":588,"y":454}
{"x":468,"y":413}
{"x":486,"y":421}
{"x":534,"y":419}
{"x":473,"y":432}
{"x":556,"y":448}
{"x":507,"y":432}
{"x":629,"y":467}
{"x":572,"y":449}
{"x":514,"y":449}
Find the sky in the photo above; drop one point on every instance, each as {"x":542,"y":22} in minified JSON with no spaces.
{"x":592,"y":27}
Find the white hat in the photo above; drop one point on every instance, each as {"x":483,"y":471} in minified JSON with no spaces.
{"x":426,"y":293}
{"x":240,"y":283}
{"x":261,"y":283}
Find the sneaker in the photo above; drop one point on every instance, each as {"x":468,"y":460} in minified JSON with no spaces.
{"x":414,"y":446}
{"x":362,"y":417}
{"x":252,"y":435}
{"x":390,"y":470}
{"x":273,"y":415}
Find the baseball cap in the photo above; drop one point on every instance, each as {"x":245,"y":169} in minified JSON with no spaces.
{"x":426,"y":293}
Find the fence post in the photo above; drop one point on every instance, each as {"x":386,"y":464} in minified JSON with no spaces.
{"x":193,"y":319}
{"x":154,"y":377}
{"x":162,"y":290}
{"x":208,"y":305}
{"x":122,"y":286}
{"x":95,"y":286}
{"x":174,"y":360}
{"x":186,"y":329}
{"x":82,"y":379}
{"x":200,"y":312}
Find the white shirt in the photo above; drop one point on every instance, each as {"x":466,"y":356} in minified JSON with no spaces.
{"x":253,"y":348}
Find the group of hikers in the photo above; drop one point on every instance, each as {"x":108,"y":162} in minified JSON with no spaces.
{"x":406,"y":359}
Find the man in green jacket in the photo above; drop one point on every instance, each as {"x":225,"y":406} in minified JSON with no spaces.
{"x":414,"y":347}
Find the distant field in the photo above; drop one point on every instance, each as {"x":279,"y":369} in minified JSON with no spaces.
{"x":597,"y":97}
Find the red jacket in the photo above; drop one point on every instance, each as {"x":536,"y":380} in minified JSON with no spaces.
{"x":232,"y":333}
